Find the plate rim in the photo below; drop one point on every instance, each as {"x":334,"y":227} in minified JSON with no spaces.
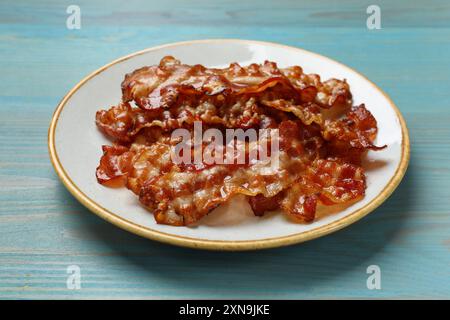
{"x":224,"y":245}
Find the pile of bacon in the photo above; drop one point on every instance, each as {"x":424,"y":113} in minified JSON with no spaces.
{"x":322,"y":139}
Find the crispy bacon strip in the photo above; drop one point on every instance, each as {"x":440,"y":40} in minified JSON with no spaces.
{"x":123,"y":122}
{"x":169,"y":82}
{"x":308,"y":113}
{"x":173,"y":95}
{"x":190,"y":195}
{"x":357,"y":129}
{"x":183,"y":196}
{"x":324,"y":181}
{"x":327,"y":182}
{"x":114,"y":166}
{"x":261,"y":204}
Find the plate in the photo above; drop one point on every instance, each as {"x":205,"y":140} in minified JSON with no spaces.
{"x":75,"y":149}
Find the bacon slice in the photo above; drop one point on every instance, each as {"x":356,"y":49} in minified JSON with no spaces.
{"x":170,"y":82}
{"x":114,"y":166}
{"x":327,"y":182}
{"x":261,"y":204}
{"x":357,"y":129}
{"x":123,"y":122}
{"x":183,"y":196}
{"x":118,"y":122}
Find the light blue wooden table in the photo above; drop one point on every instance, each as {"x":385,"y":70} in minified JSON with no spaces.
{"x":43,"y":229}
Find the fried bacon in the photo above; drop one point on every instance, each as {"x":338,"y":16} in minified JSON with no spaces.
{"x":123,"y":122}
{"x":357,"y":129}
{"x":327,"y":182}
{"x":322,"y":139}
{"x":114,"y":166}
{"x":165,"y":84}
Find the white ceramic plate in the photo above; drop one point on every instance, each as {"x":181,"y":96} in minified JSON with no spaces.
{"x":75,"y":149}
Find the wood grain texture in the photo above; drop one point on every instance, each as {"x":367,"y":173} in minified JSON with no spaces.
{"x":43,"y":229}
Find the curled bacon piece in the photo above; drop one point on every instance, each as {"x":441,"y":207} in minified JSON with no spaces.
{"x":123,"y":122}
{"x":260,"y":204}
{"x":324,"y":181}
{"x":357,"y":129}
{"x":114,"y":166}
{"x":327,"y":182}
{"x":190,"y":195}
{"x":322,"y":139}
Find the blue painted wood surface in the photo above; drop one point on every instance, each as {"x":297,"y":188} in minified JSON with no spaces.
{"x":43,"y":229}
